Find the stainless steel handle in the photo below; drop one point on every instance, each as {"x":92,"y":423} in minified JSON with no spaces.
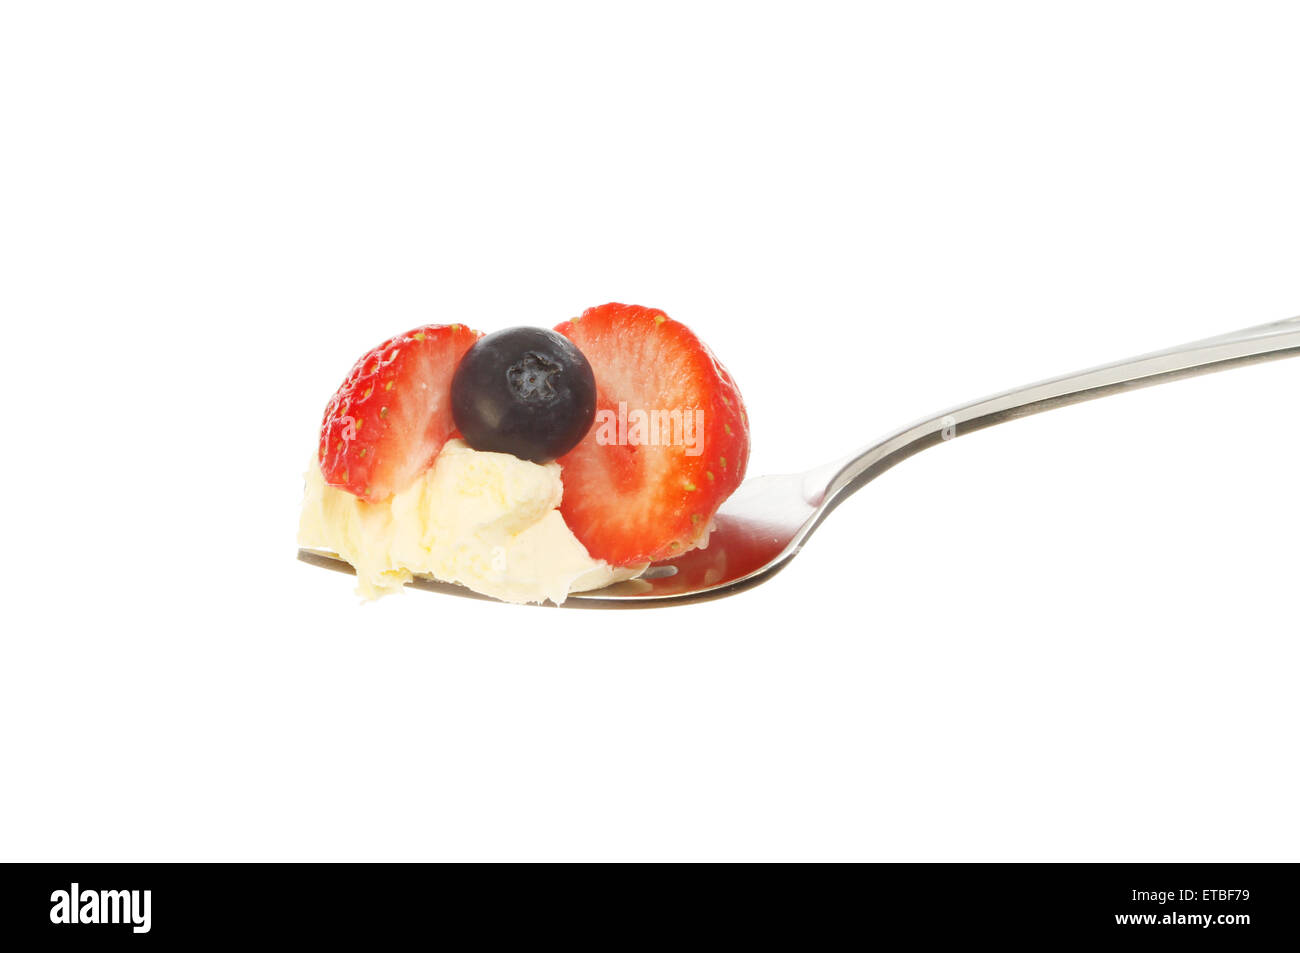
{"x":1249,"y":346}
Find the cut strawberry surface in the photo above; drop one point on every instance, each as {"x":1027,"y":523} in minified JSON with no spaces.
{"x":670,"y":442}
{"x":389,"y":419}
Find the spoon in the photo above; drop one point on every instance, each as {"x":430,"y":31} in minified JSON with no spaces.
{"x":764,"y":524}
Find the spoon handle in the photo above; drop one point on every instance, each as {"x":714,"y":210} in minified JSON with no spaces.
{"x":1248,"y":346}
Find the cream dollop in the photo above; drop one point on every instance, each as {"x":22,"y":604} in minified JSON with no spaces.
{"x":489,"y":521}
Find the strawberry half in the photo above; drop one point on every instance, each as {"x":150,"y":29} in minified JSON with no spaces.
{"x":389,"y":419}
{"x":631,"y":500}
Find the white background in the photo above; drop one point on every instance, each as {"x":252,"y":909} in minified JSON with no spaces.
{"x":1071,"y":637}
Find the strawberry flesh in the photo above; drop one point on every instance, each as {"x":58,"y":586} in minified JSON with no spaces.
{"x":632,"y":501}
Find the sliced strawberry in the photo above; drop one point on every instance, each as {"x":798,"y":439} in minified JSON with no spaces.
{"x":632,"y":502}
{"x":390,"y":418}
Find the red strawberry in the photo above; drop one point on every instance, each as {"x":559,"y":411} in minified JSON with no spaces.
{"x":390,"y":418}
{"x":632,"y":503}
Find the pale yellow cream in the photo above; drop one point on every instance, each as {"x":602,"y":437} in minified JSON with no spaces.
{"x":488,"y":521}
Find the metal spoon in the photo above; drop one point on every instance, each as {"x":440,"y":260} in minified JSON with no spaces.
{"x":765,"y":523}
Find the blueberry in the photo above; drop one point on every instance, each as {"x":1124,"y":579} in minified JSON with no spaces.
{"x":526,"y":391}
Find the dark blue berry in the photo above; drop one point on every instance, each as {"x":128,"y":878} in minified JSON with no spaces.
{"x":525,"y":391}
